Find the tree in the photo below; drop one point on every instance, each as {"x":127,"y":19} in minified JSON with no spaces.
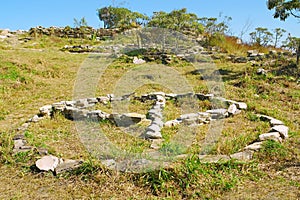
{"x":293,"y":44}
{"x":80,"y":23}
{"x":284,"y":8}
{"x":278,"y":33}
{"x":212,"y":26}
{"x":115,"y":17}
{"x":261,"y":36}
{"x":178,"y":20}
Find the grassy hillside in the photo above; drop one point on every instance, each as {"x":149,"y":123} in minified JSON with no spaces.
{"x":37,"y":73}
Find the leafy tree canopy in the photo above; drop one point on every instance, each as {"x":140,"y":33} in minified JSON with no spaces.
{"x":115,"y":17}
{"x":178,"y":20}
{"x":284,"y":8}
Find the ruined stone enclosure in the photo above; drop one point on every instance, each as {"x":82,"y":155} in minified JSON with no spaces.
{"x":164,"y":147}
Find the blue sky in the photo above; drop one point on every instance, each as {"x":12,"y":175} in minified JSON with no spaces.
{"x":23,"y":14}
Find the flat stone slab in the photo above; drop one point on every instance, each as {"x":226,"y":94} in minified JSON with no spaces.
{"x":156,"y":143}
{"x":68,"y":165}
{"x":213,"y":158}
{"x":275,"y":136}
{"x":283,"y":130}
{"x":243,"y":156}
{"x":272,"y":120}
{"x":172,"y":123}
{"x":46,"y":110}
{"x":47,"y":163}
{"x":152,"y":135}
{"x":254,"y":146}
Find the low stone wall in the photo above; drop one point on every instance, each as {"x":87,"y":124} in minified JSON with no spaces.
{"x":69,"y":32}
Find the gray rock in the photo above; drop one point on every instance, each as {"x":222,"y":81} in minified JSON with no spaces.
{"x":158,"y":94}
{"x":92,"y":100}
{"x":67,"y":165}
{"x":270,"y":136}
{"x":213,"y":158}
{"x":35,"y":119}
{"x":138,"y":60}
{"x":261,"y":71}
{"x":189,"y":116}
{"x":275,"y":122}
{"x":82,"y":103}
{"x":190,"y":121}
{"x":135,"y":117}
{"x":158,"y":121}
{"x":243,"y":156}
{"x":154,"y":128}
{"x":241,"y":105}
{"x":152,"y":135}
{"x":24,"y":126}
{"x":19,"y":143}
{"x":70,"y":103}
{"x":46,"y":110}
{"x":171,"y":96}
{"x":103,"y":100}
{"x":232,"y":109}
{"x":218,"y":113}
{"x":283,"y":130}
{"x":59,"y":106}
{"x":110,"y":163}
{"x":254,"y":146}
{"x":156,"y":143}
{"x":172,"y":123}
{"x":272,"y":120}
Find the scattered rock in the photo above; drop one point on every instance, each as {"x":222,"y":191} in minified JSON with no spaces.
{"x":282,"y":129}
{"x":47,"y":163}
{"x":270,"y":136}
{"x":243,"y":156}
{"x":254,"y":146}
{"x":213,"y":158}
{"x":232,"y":109}
{"x":172,"y":123}
{"x":261,"y":71}
{"x":138,"y":60}
{"x":67,"y":165}
{"x":241,"y":105}
{"x":19,"y":143}
{"x":46,"y":110}
{"x":110,"y":163}
{"x":156,"y":143}
{"x":152,"y":135}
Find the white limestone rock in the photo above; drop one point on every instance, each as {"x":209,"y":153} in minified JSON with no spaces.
{"x":172,"y":123}
{"x":282,"y":129}
{"x":254,"y":146}
{"x":243,"y":156}
{"x":137,"y":60}
{"x":46,"y":110}
{"x":275,"y":136}
{"x":47,"y":163}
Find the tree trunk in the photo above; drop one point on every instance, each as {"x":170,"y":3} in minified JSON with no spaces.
{"x":298,"y":52}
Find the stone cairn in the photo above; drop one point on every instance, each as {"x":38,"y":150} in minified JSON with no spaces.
{"x":78,"y":110}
